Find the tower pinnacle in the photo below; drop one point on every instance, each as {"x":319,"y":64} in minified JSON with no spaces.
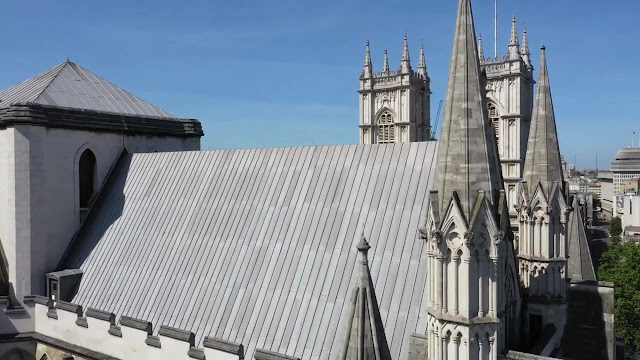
{"x":422,"y":66}
{"x":524,"y":51}
{"x":385,"y":67}
{"x":405,"y":66}
{"x":514,"y":52}
{"x":480,"y":49}
{"x":367,"y":70}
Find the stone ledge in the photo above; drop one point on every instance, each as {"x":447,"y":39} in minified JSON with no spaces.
{"x":196,"y":353}
{"x":62,"y":305}
{"x":101,"y":315}
{"x":136,"y":324}
{"x":177,"y":334}
{"x":153,"y":341}
{"x":225,"y":346}
{"x":270,"y":355}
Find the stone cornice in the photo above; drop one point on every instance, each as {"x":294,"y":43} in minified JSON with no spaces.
{"x":76,"y":119}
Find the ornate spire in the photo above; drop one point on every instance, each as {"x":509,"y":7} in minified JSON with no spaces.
{"x":405,"y":64}
{"x":467,"y":154}
{"x":365,"y":332}
{"x":367,"y":71}
{"x":480,"y":49}
{"x":542,"y":163}
{"x":422,"y":66}
{"x":524,"y":51}
{"x":385,"y":67}
{"x":514,"y":52}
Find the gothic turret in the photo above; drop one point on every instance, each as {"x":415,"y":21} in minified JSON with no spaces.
{"x":422,"y":66}
{"x":542,"y":164}
{"x":480,"y":49}
{"x":365,"y":334}
{"x":514,"y":51}
{"x":367,"y":71}
{"x":405,"y":64}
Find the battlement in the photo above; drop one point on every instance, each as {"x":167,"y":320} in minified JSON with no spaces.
{"x":123,"y":338}
{"x":398,"y":78}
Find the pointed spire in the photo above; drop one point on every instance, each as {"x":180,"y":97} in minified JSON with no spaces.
{"x":514,"y":52}
{"x":524,"y":51}
{"x":385,"y":67}
{"x":542,"y":163}
{"x":480,"y":49}
{"x":405,"y":64}
{"x":579,"y":265}
{"x":365,"y":333}
{"x":467,"y":156}
{"x":422,"y":66}
{"x":367,"y":71}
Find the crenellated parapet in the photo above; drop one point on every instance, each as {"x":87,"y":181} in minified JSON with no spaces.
{"x":88,"y":332}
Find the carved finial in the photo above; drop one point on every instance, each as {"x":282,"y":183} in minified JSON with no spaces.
{"x":424,"y":233}
{"x":499,"y":236}
{"x":385,"y":67}
{"x":514,"y":51}
{"x":526,"y":56}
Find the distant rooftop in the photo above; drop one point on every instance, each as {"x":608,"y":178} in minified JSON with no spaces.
{"x":627,"y":159}
{"x":71,"y":86}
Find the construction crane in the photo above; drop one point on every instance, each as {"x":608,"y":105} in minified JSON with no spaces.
{"x":435,"y":125}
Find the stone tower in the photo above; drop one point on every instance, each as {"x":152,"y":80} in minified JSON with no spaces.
{"x":473,"y":291}
{"x":510,"y":101}
{"x":543,"y":214}
{"x":394,"y":104}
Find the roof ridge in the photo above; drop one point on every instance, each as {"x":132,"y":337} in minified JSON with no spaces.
{"x":61,"y":66}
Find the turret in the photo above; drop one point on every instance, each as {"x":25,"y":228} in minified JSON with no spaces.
{"x":480,"y":49}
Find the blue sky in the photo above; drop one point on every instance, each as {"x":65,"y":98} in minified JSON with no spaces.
{"x":264,"y":73}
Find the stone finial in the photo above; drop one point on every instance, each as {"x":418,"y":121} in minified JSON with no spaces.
{"x":480,"y":49}
{"x":367,"y":70}
{"x":363,"y":246}
{"x":524,"y":51}
{"x":405,"y":65}
{"x":385,"y":66}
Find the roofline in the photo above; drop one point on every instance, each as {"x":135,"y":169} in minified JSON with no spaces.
{"x":78,"y":119}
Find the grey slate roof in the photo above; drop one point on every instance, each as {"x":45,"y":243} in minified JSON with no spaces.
{"x":580,"y":264}
{"x":259,"y":246}
{"x":542,"y":163}
{"x":71,"y":86}
{"x":468,"y":154}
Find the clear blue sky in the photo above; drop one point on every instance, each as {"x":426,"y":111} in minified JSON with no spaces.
{"x":264,"y":73}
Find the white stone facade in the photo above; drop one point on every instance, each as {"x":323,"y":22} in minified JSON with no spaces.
{"x":394,"y":104}
{"x":39,"y":212}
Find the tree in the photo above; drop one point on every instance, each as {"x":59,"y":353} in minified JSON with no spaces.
{"x":615,"y":230}
{"x":620,"y":264}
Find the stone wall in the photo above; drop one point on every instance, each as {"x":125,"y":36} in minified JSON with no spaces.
{"x":590,"y":330}
{"x":39,"y":212}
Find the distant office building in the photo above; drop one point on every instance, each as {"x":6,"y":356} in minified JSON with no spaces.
{"x":579,"y":185}
{"x":595,"y":188}
{"x":626,"y":166}
{"x":630,"y":186}
{"x":605,"y":178}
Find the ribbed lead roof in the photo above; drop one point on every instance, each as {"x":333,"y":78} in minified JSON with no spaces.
{"x":259,"y":246}
{"x":71,"y":86}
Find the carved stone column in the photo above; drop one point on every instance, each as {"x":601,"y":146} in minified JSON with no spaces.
{"x":456,"y":263}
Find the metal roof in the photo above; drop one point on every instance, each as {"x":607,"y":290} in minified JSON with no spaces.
{"x":71,"y":86}
{"x":259,"y":246}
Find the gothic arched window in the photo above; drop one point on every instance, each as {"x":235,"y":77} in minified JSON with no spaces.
{"x":494,"y":117}
{"x":385,"y":128}
{"x":87,"y":177}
